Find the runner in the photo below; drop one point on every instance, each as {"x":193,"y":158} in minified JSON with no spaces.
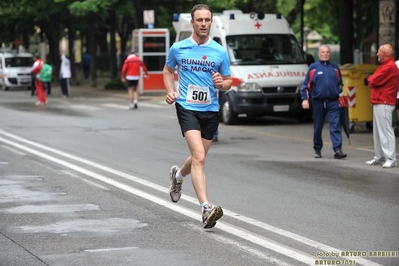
{"x":203,"y":68}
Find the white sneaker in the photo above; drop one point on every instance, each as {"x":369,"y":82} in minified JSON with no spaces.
{"x":374,"y":162}
{"x":389,"y":164}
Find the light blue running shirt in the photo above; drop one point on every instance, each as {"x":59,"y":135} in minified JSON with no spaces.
{"x":195,"y":66}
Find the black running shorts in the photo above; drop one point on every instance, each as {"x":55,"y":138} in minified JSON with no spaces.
{"x":132,"y":83}
{"x":206,"y":122}
{"x":397,"y":104}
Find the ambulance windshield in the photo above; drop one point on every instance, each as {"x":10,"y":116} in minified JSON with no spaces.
{"x":264,"y":49}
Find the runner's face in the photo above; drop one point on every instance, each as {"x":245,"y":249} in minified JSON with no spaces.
{"x":202,"y":23}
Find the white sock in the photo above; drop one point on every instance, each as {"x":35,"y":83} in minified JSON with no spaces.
{"x":203,"y":205}
{"x":135,"y":101}
{"x":179,"y":176}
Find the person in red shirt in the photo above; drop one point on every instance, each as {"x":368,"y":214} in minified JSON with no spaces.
{"x":130,"y":74}
{"x":39,"y":86}
{"x":384,"y":88}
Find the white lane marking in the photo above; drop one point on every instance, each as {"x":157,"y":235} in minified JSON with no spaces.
{"x":150,"y":105}
{"x":83,"y":107}
{"x":189,"y":213}
{"x":116,"y":106}
{"x":84,"y":179}
{"x":109,"y":249}
{"x":228,"y":241}
{"x":13,"y":150}
{"x":125,"y":107}
{"x":309,"y":260}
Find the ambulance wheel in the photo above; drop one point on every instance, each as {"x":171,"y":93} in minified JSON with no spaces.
{"x":229,"y":117}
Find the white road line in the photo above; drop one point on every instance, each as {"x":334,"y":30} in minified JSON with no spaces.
{"x":13,"y":150}
{"x":83,"y":107}
{"x":117,"y":106}
{"x":109,"y":249}
{"x":83,"y":179}
{"x":151,"y":105}
{"x":228,"y":228}
{"x":307,"y":259}
{"x":125,"y":107}
{"x":228,"y":241}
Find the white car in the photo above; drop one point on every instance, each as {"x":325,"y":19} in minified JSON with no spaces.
{"x":15,"y":69}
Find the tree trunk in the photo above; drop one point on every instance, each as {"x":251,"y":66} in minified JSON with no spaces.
{"x":346,"y":31}
{"x":93,"y":51}
{"x":139,"y":7}
{"x":112,"y":32}
{"x":359,"y":25}
{"x":124,"y":32}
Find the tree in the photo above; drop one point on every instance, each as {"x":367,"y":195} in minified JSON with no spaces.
{"x":345,"y":22}
{"x":346,"y":31}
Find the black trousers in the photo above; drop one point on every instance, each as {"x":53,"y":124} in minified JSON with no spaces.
{"x":65,"y":86}
{"x":47,"y":86}
{"x":32,"y":86}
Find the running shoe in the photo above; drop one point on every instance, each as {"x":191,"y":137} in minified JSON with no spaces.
{"x":175,"y":188}
{"x":210,"y":215}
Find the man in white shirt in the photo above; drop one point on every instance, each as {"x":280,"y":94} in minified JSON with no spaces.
{"x":65,"y":75}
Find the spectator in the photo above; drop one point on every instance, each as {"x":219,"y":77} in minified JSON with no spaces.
{"x":46,"y":76}
{"x":41,"y":94}
{"x":86,"y":61}
{"x":130,"y":74}
{"x":65,"y":76}
{"x":384,"y":89}
{"x":323,"y":84}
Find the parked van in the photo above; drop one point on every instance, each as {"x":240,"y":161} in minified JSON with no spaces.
{"x":15,"y":69}
{"x":268,"y":65}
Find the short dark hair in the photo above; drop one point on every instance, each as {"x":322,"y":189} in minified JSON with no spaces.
{"x":200,"y":7}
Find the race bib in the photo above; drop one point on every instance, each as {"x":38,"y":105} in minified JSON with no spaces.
{"x":198,"y":95}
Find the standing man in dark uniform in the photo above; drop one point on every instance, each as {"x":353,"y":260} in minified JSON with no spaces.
{"x":323,"y":84}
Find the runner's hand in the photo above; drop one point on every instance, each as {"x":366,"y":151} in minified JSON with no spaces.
{"x":217,"y":80}
{"x":171,"y":97}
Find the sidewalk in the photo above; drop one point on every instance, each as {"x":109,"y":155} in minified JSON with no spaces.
{"x":84,"y":88}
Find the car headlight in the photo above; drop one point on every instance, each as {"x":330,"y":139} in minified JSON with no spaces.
{"x":248,"y":87}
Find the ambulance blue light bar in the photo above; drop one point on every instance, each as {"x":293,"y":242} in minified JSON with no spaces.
{"x":176,"y":17}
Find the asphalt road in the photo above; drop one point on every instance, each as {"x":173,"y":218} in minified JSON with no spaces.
{"x":84,"y":181}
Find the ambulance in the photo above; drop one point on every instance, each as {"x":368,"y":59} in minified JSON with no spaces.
{"x":268,"y":65}
{"x":15,"y":69}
